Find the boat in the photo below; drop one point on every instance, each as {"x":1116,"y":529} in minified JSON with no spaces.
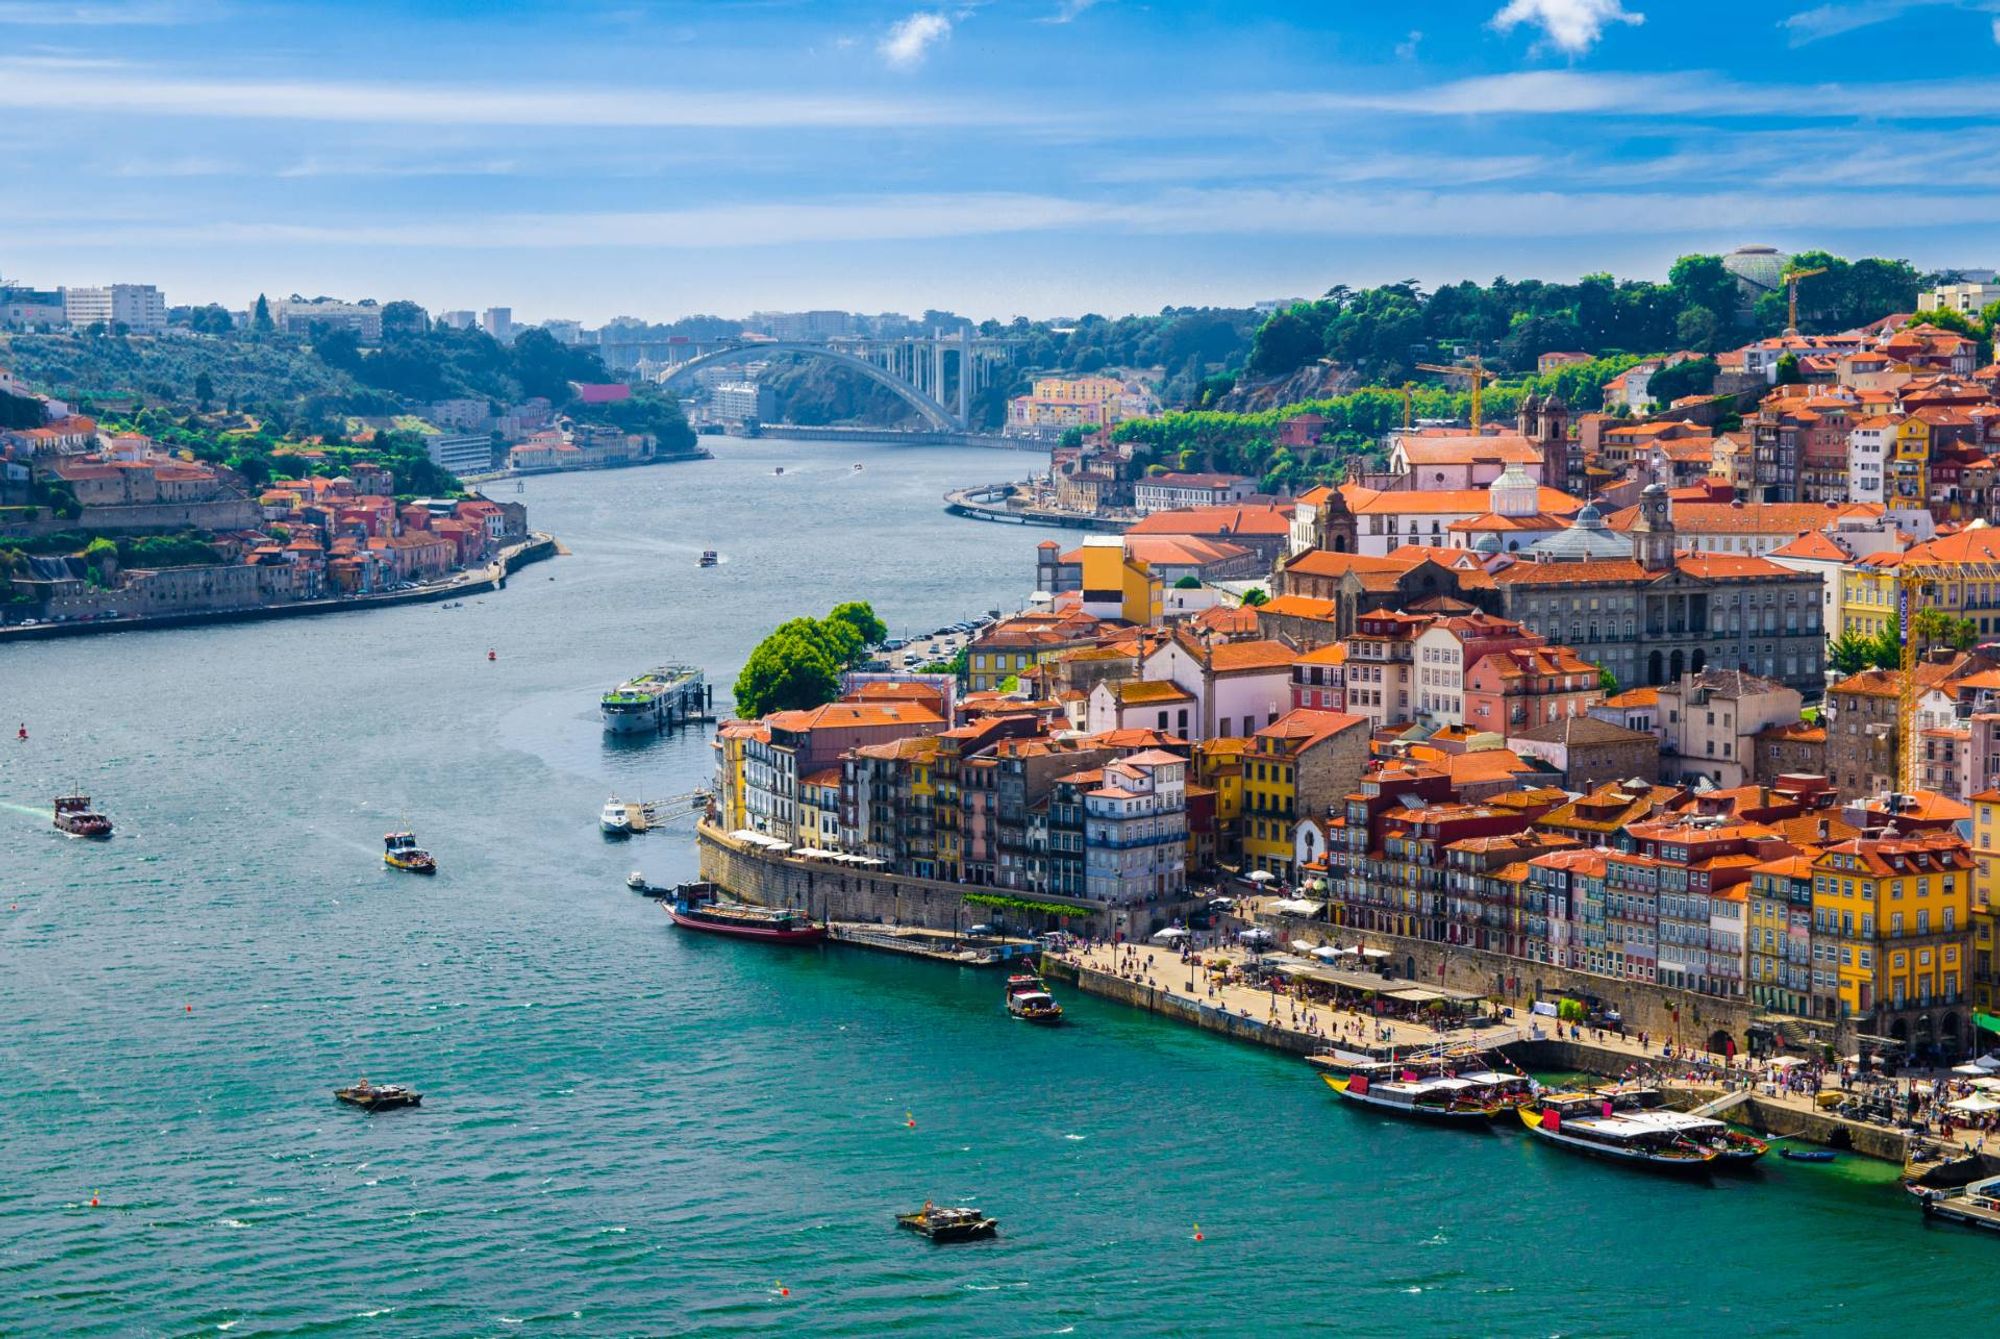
{"x":75,"y":817}
{"x":947,"y":1225}
{"x":379,"y":1096}
{"x":740,"y":920}
{"x":1733,"y":1148}
{"x":1028,"y":999}
{"x":653,"y":700}
{"x":1586,"y":1123}
{"x":1443,"y":1097}
{"x":637,"y":883}
{"x":620,"y":819}
{"x":779,"y":470}
{"x":709,"y":558}
{"x":400,"y":851}
{"x":857,"y":467}
{"x":1974,"y":1205}
{"x":1808,"y":1154}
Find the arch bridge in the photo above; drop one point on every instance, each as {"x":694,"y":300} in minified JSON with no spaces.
{"x":921,"y":372}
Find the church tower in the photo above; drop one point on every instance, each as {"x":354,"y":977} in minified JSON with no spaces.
{"x":1653,"y":532}
{"x":1335,"y":528}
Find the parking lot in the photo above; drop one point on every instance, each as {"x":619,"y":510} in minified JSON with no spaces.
{"x":906,"y":652}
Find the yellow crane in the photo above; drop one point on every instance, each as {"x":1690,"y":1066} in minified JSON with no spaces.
{"x":1403,"y":390}
{"x":1919,"y":587}
{"x":1792,"y":278}
{"x":1474,"y":371}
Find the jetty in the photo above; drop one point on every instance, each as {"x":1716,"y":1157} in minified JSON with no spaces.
{"x":937,"y":945}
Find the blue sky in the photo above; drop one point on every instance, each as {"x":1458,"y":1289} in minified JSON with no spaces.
{"x":593,"y":158}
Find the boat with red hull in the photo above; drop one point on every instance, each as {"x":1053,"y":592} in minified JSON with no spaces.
{"x":740,"y":920}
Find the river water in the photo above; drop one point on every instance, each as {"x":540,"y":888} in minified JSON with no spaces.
{"x":628,"y":1130}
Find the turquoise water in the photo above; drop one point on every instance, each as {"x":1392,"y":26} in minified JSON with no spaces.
{"x":631,"y":1131}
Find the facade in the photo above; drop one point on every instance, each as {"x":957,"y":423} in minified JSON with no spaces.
{"x":1136,"y":830}
{"x":298,"y":316}
{"x":1896,"y":911}
{"x":1709,"y":723}
{"x":1296,"y":768}
{"x":1589,"y":752}
{"x":1165,"y":492}
{"x":140,"y":308}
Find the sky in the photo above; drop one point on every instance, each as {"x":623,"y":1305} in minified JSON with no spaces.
{"x":585,"y":159}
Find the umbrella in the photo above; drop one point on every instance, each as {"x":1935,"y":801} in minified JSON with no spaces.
{"x":1254,"y":936}
{"x":1327,"y":952}
{"x":1786,"y":1062}
{"x":1967,"y":1069}
{"x":1301,"y":946}
{"x":1976,"y":1103}
{"x":1169,"y":935}
{"x":1987,"y":1084}
{"x":1261,"y":876}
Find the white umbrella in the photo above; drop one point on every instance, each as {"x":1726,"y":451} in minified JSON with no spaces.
{"x":1976,"y":1103}
{"x":1987,"y":1084}
{"x":1169,"y":935}
{"x":1301,"y":946}
{"x":1261,"y":876}
{"x":1328,"y":952}
{"x":1967,"y":1069}
{"x":1786,"y":1062}
{"x":1254,"y":935}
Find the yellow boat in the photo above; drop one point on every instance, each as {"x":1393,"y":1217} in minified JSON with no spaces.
{"x":400,"y":851}
{"x":1437,"y":1097}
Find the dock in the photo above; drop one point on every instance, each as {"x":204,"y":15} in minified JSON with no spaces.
{"x":937,"y":945}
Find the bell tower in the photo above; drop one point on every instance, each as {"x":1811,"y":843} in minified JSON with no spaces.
{"x":1653,"y":532}
{"x":1335,"y":528}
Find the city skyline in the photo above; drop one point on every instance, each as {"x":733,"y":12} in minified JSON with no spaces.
{"x":1040,"y":158}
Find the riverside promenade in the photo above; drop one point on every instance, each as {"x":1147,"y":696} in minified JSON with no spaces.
{"x":1156,"y":979}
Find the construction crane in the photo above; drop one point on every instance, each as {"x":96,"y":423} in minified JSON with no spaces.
{"x":1920,"y":587}
{"x":1792,"y":278}
{"x":1403,"y":391}
{"x":1473,"y":371}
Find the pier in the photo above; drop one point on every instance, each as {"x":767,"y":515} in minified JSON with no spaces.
{"x":989,"y":502}
{"x":936,"y":945}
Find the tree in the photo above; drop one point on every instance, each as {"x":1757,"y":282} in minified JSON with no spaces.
{"x":1850,"y":653}
{"x":1255,"y":596}
{"x":1939,"y":627}
{"x":786,"y":672}
{"x":861,"y":616}
{"x":1607,"y":682}
{"x":1188,"y":583}
{"x":1694,"y":377}
{"x":260,"y":319}
{"x":204,"y":391}
{"x":1788,"y":371}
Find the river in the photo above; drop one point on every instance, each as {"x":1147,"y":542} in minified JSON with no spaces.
{"x":628,"y":1130}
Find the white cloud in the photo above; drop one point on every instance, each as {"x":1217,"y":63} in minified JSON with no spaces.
{"x":107,"y":14}
{"x":24,"y":86}
{"x":1831,"y":20}
{"x":1570,"y":26}
{"x":908,"y":42}
{"x":1069,"y":11}
{"x":1407,"y":48}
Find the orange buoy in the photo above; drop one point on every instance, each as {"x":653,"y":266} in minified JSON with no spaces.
{"x":93,"y":1199}
{"x":1197,"y":1231}
{"x":491,"y":654}
{"x":910,"y":1119}
{"x":190,"y":1008}
{"x":783,"y":1291}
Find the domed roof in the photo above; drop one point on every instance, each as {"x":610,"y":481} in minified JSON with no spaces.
{"x":1589,"y":517}
{"x":1761,"y":267}
{"x":1654,"y":489}
{"x":1589,"y":539}
{"x":1486,"y":543}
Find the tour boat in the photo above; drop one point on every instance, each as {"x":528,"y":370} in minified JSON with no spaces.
{"x":709,"y":558}
{"x":379,"y":1096}
{"x":1029,"y":1000}
{"x":75,"y":817}
{"x":740,"y":920}
{"x":1582,"y":1121}
{"x":637,"y":883}
{"x":946,"y":1225}
{"x":1436,"y":1098}
{"x":400,"y":851}
{"x":617,"y":818}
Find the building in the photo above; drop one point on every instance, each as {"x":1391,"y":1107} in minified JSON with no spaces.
{"x":1013,"y":646}
{"x":1896,"y":910}
{"x":1589,"y":752}
{"x":140,"y":308}
{"x":499,"y":323}
{"x":741,"y":402}
{"x":1165,"y":492}
{"x":1965,"y":299}
{"x":1297,"y":768}
{"x":1136,"y":831}
{"x":1779,"y":962}
{"x":1515,"y":689}
{"x":461,"y":452}
{"x":794,"y":744}
{"x":301,"y":316}
{"x":1710,"y":720}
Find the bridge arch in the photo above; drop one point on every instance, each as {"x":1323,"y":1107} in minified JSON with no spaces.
{"x":934,"y":413}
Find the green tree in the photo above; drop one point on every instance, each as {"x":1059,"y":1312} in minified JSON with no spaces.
{"x":1788,"y":371}
{"x":786,"y":672}
{"x":1885,"y":649}
{"x":1255,"y":596}
{"x":860,"y":615}
{"x":204,"y":391}
{"x":1607,"y":682}
{"x":1694,"y":377}
{"x":260,"y":318}
{"x":1850,"y":653}
{"x":1188,"y":583}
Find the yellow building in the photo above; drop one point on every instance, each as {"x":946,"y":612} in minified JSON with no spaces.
{"x":1985,"y":898}
{"x":819,"y":810}
{"x":1270,"y":803}
{"x":1894,"y":913}
{"x":1011,"y":647}
{"x":1961,"y":577}
{"x":1907,"y":479}
{"x":731,"y":739}
{"x":1117,"y":585}
{"x":1218,"y":765}
{"x":1079,"y":390}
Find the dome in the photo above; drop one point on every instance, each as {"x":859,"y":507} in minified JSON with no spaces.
{"x":1514,"y":494}
{"x":1654,"y":489}
{"x":1761,"y":269}
{"x":1589,"y":518}
{"x":1488,"y":543}
{"x":1586,"y":541}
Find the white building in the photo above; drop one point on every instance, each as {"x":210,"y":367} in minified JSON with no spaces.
{"x":1965,"y":299}
{"x":1135,"y":830}
{"x":1869,"y":444}
{"x":459,"y":320}
{"x":1237,"y":688}
{"x":499,"y":323}
{"x":297,"y":316}
{"x":137,"y":307}
{"x":742,"y":402}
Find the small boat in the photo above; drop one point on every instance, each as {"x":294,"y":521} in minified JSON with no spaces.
{"x":637,"y":883}
{"x":75,"y":817}
{"x":400,"y":851}
{"x":1808,"y":1154}
{"x":379,"y":1096}
{"x":1586,"y":1123}
{"x":947,"y":1225}
{"x":1029,"y":1000}
{"x":779,"y":470}
{"x":709,"y":558}
{"x":619,"y":819}
{"x":1442,"y":1097}
{"x":857,"y":467}
{"x":741,"y":920}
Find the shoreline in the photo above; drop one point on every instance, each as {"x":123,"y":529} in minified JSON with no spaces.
{"x":973,"y":503}
{"x":493,"y":576}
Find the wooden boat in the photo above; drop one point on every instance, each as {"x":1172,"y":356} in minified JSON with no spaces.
{"x":379,"y":1096}
{"x":400,"y":851}
{"x":1580,"y":1121}
{"x":1974,"y":1205}
{"x":1440,"y":1098}
{"x":1808,"y":1154}
{"x":740,"y":920}
{"x":1733,"y":1148}
{"x":947,"y":1225}
{"x":74,"y":817}
{"x":1029,"y":1000}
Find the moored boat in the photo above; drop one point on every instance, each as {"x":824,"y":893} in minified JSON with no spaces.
{"x":1808,"y":1154}
{"x":1973,"y":1205}
{"x":75,"y":817}
{"x":1584,"y":1122}
{"x":379,"y":1096}
{"x":653,"y":700}
{"x":1443,"y":1097}
{"x":400,"y":851}
{"x":947,"y":1225}
{"x":620,"y":819}
{"x":740,"y":920}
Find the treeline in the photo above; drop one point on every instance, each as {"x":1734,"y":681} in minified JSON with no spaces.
{"x":1232,"y":443}
{"x":1384,"y":332}
{"x":799,"y":664}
